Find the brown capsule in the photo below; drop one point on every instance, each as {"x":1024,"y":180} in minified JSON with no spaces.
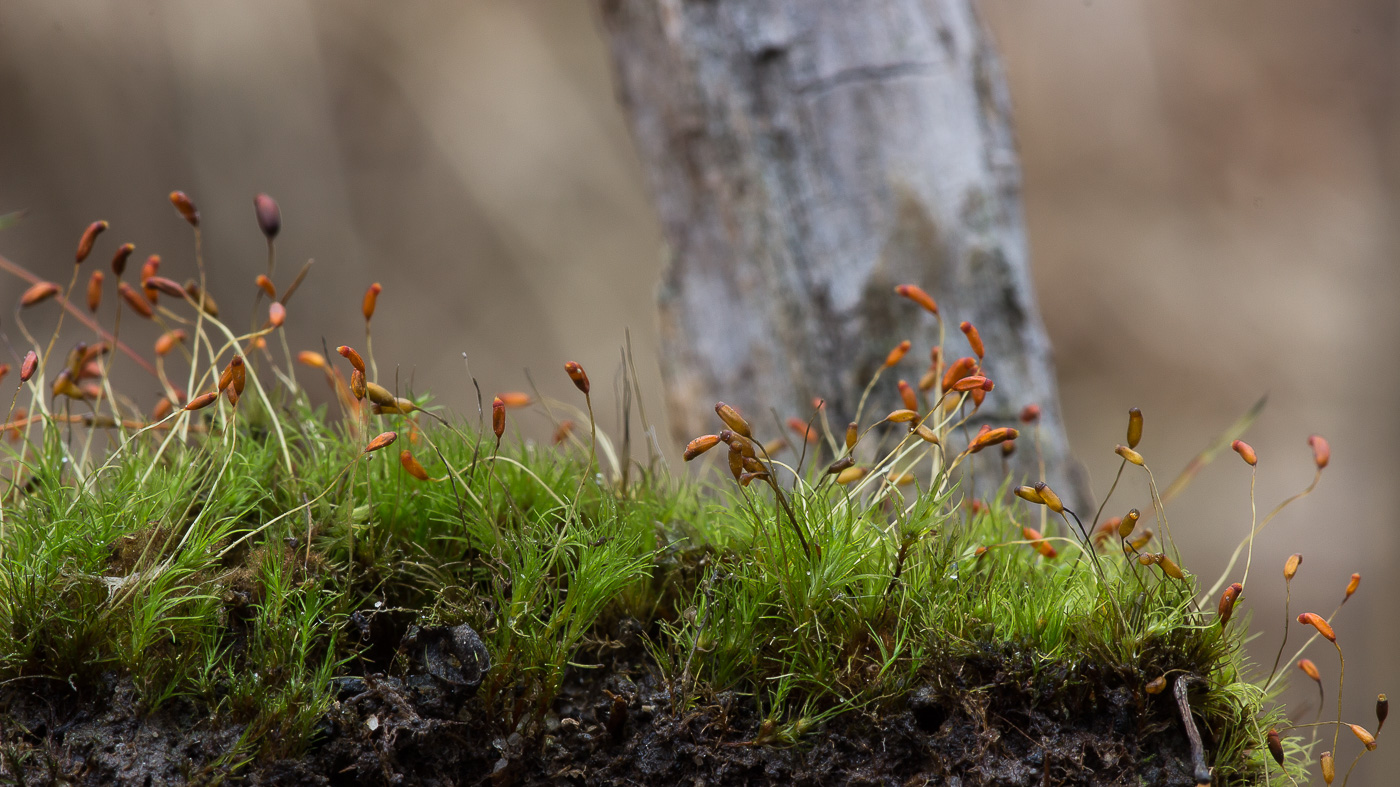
{"x":1323,"y":627}
{"x":1142,"y":540}
{"x":699,"y":446}
{"x":202,"y":401}
{"x":94,"y":290}
{"x":928,"y":380}
{"x":412,"y":466}
{"x":265,"y":284}
{"x":149,"y":267}
{"x":167,"y":286}
{"x":185,"y":206}
{"x":498,"y":417}
{"x":168,"y":340}
{"x":1130,"y":520}
{"x":852,"y":435}
{"x":63,"y":385}
{"x":38,"y":293}
{"x":1134,"y":427}
{"x":371,"y":298}
{"x":269,"y":215}
{"x":738,"y":442}
{"x":736,"y":463}
{"x":358,"y":386}
{"x":917,"y":294}
{"x":1382,"y":711}
{"x":226,"y":376}
{"x":1367,"y":739}
{"x":732,"y":419}
{"x":752,"y":465}
{"x":211,"y":308}
{"x":119,"y":259}
{"x":29,"y":366}
{"x":1351,"y":586}
{"x":1030,"y":413}
{"x":1029,"y":494}
{"x":1108,"y":528}
{"x":973,"y":338}
{"x":1276,"y":747}
{"x":1290,"y":567}
{"x":74,"y":361}
{"x":276,"y":314}
{"x":928,"y":435}
{"x":353,"y":357}
{"x":89,"y":237}
{"x":897,"y":354}
{"x":802,"y":429}
{"x":902,"y":416}
{"x":1310,"y":669}
{"x":1246,"y":452}
{"x":240,"y":373}
{"x":380,"y":395}
{"x":579,"y":377}
{"x":960,"y":368}
{"x":747,"y":478}
{"x":972,"y":383}
{"x":516,"y":399}
{"x":1157,"y":685}
{"x":384,"y":439}
{"x":232,"y":394}
{"x":313,"y":359}
{"x":1000,"y":435}
{"x":851,"y":474}
{"x":1227,"y":602}
{"x":1322,"y":452}
{"x":162,"y":409}
{"x":1329,"y":768}
{"x":1008,"y":448}
{"x":566,"y":428}
{"x":774,"y":446}
{"x":843,"y":463}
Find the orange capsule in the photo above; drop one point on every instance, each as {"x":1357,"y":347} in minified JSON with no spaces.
{"x":902,"y":416}
{"x":1246,"y":452}
{"x":1323,"y":627}
{"x":1322,"y":452}
{"x":802,"y":429}
{"x":1157,"y":685}
{"x":1142,"y":539}
{"x":149,"y":267}
{"x":774,"y":446}
{"x":1329,"y":767}
{"x":412,"y":466}
{"x":1030,"y":413}
{"x":232,"y":394}
{"x":358,"y":386}
{"x":119,"y":259}
{"x":579,"y":376}
{"x":1367,"y":739}
{"x":1040,"y":545}
{"x":269,"y":215}
{"x":313,"y":359}
{"x":382,"y":440}
{"x":202,"y":401}
{"x":928,"y":380}
{"x":973,"y":338}
{"x":1134,"y":427}
{"x":353,"y":357}
{"x":265,"y":284}
{"x":29,"y":366}
{"x":1310,"y":669}
{"x":1130,"y":520}
{"x":972,"y":383}
{"x":1227,"y":602}
{"x":1108,"y":528}
{"x":240,"y":373}
{"x":38,"y":293}
{"x":1129,"y":455}
{"x":566,"y":428}
{"x":852,"y":435}
{"x":732,"y":419}
{"x":4,"y":370}
{"x":918,"y":295}
{"x":168,"y":340}
{"x":851,"y":474}
{"x":89,"y":237}
{"x":185,"y":206}
{"x":1149,"y":559}
{"x":960,"y":368}
{"x":897,"y":354}
{"x":371,"y":298}
{"x":94,"y":290}
{"x":906,"y":393}
{"x":1351,"y":586}
{"x":993,"y":437}
{"x":900,"y":479}
{"x":516,"y":399}
{"x":498,"y":417}
{"x":162,"y":409}
{"x":1290,"y":567}
{"x":276,"y":314}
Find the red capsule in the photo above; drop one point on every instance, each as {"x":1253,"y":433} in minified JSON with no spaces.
{"x":29,"y":366}
{"x":579,"y":376}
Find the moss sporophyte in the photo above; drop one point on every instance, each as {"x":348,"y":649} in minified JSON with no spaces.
{"x":232,"y":550}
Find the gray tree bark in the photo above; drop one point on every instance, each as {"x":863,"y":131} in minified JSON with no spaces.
{"x":806,"y":156}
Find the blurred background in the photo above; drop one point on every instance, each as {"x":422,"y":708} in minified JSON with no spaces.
{"x":1211,"y":193}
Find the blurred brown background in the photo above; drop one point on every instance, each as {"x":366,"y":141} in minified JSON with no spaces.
{"x":1211,"y":193}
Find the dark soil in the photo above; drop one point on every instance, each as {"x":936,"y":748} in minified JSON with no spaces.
{"x":991,"y":719}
